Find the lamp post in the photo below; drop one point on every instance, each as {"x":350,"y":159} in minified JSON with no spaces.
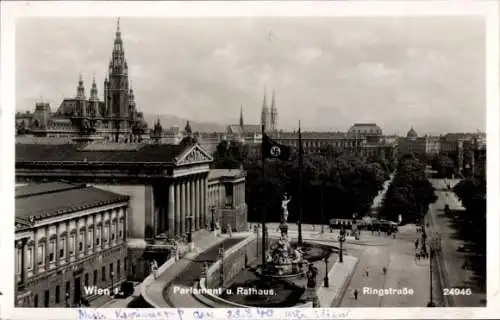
{"x":326,"y":280}
{"x":213,"y":219}
{"x":221,"y":257}
{"x":66,"y":300}
{"x":190,"y":233}
{"x":341,"y":240}
{"x":112,"y":283}
{"x":432,"y":245}
{"x":322,"y":185}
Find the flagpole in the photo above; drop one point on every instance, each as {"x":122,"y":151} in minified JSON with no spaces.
{"x":301,"y":165}
{"x":263,"y":202}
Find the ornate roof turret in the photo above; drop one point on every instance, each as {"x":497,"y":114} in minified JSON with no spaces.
{"x":131,"y":97}
{"x":93,"y":90}
{"x":158,"y":129}
{"x":188,"y":129}
{"x":80,"y":90}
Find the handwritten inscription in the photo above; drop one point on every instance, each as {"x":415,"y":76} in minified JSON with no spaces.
{"x":211,"y":314}
{"x":129,"y":314}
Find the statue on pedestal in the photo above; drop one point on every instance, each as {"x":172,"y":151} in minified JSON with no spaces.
{"x":284,"y":207}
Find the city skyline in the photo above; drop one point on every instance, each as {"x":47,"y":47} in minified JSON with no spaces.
{"x":384,"y":69}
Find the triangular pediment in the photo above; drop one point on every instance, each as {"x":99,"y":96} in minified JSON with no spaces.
{"x":194,"y":154}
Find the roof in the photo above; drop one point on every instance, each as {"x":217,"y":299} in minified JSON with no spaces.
{"x":144,"y":153}
{"x":365,"y":129}
{"x":41,"y":188}
{"x":225,"y":173}
{"x":39,"y":201}
{"x":29,"y":139}
{"x":412,"y":133}
{"x":247,"y":128}
{"x":312,"y":135}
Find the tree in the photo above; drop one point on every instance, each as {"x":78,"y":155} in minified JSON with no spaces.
{"x":410,"y":192}
{"x":472,"y":193}
{"x":444,"y":165}
{"x":230,"y":155}
{"x":352,"y":182}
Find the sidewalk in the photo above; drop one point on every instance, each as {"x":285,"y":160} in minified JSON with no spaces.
{"x":154,"y":292}
{"x":340,"y":277}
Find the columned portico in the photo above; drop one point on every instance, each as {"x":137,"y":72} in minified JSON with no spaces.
{"x":165,"y":183}
{"x":177,"y":206}
{"x":184,"y":201}
{"x":172,"y":216}
{"x":196,"y":214}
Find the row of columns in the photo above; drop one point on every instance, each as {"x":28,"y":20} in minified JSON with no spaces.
{"x":187,"y":197}
{"x":238,"y":194}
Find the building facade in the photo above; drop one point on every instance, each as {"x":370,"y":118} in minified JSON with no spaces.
{"x":226,"y":198}
{"x":168,"y":186}
{"x":371,"y":132}
{"x":68,"y":236}
{"x":114,"y":118}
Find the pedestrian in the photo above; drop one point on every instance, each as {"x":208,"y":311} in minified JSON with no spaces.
{"x":416,"y":244}
{"x":355,"y":294}
{"x":366,"y":272}
{"x":384,"y":270}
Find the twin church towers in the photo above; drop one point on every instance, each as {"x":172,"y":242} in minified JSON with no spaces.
{"x":268,"y":115}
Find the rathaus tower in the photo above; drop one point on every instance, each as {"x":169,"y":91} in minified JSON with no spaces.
{"x":116,"y":90}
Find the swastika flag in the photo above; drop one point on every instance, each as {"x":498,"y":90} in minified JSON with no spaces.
{"x":274,"y":150}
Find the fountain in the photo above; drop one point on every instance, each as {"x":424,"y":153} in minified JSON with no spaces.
{"x":283,"y":260}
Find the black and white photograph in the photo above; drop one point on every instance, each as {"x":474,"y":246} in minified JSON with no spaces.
{"x":250,"y":162}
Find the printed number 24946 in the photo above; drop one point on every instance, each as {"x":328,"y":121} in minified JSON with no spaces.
{"x":457,"y":291}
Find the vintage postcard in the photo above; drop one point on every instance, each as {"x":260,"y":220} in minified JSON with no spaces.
{"x":244,"y":160}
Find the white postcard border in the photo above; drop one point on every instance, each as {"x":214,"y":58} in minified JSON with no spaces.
{"x":11,"y":11}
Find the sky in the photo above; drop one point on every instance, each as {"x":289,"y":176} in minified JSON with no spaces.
{"x":329,"y":72}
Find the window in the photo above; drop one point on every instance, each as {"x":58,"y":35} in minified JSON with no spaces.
{"x":29,"y":260}
{"x":90,"y":236}
{"x":103,"y":273}
{"x":58,"y":294}
{"x":98,"y":235}
{"x":86,"y":280}
{"x":35,"y":301}
{"x":120,"y":232}
{"x":72,"y":244}
{"x":111,"y":270}
{"x":125,"y":264}
{"x":67,"y":287}
{"x":62,"y":247}
{"x":41,"y":254}
{"x":80,"y":245}
{"x":113,"y":229}
{"x":106,"y":232}
{"x":52,"y":252}
{"x":19,"y":260}
{"x":118,"y":269}
{"x":95,"y":278}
